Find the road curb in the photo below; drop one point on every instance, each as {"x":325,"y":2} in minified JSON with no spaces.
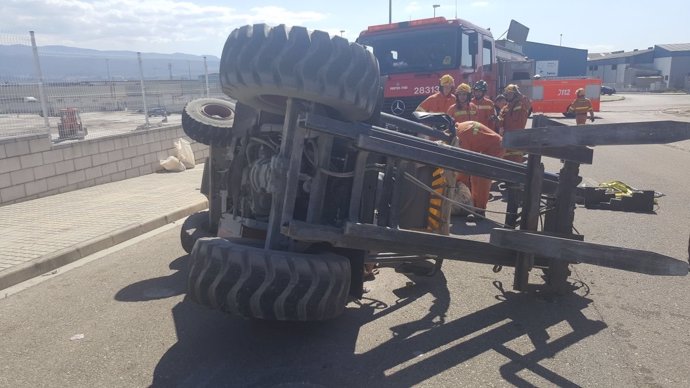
{"x":55,"y":260}
{"x":611,"y":98}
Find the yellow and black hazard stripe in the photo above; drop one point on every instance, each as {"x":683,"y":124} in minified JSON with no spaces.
{"x":435,"y":218}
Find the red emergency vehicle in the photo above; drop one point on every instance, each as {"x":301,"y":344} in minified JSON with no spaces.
{"x":413,"y":55}
{"x":554,"y":95}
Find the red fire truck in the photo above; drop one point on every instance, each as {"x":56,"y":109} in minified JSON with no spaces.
{"x":413,"y":55}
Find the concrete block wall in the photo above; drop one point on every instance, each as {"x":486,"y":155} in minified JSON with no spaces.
{"x":33,"y":167}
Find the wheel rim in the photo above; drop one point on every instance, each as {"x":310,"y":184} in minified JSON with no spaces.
{"x":217,"y":112}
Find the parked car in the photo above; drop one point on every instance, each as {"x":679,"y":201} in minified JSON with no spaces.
{"x":607,"y":90}
{"x":158,"y":111}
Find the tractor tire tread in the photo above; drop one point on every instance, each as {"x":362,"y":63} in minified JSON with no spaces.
{"x":263,"y":66}
{"x":253,"y":282}
{"x":207,"y":129}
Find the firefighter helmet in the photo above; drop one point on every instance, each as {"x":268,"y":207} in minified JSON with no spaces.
{"x":447,"y":80}
{"x":580,"y":92}
{"x":480,"y":85}
{"x":512,"y":88}
{"x":463,"y":88}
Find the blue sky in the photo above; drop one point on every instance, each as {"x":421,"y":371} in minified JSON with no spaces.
{"x":201,"y":26}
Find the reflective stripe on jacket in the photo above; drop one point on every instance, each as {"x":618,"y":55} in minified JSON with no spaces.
{"x":581,"y":106}
{"x":467,"y":112}
{"x":485,"y":109}
{"x":514,"y":115}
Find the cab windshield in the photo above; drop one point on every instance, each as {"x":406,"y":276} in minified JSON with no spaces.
{"x":414,"y":51}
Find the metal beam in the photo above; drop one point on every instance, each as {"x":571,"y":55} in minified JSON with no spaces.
{"x":284,"y":175}
{"x":579,"y":154}
{"x":455,"y":159}
{"x":652,"y":132}
{"x":529,"y":219}
{"x":357,"y":130}
{"x":406,"y":242}
{"x":318,"y":185}
{"x":409,"y":147}
{"x":626,"y":259}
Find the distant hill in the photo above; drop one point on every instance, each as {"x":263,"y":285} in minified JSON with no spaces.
{"x":62,"y":63}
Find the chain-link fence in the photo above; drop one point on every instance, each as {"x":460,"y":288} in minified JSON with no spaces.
{"x":73,"y":92}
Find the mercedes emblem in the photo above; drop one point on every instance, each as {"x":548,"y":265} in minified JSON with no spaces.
{"x":398,"y":107}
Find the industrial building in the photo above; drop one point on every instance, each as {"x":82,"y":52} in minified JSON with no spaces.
{"x":659,"y":68}
{"x":663,"y":67}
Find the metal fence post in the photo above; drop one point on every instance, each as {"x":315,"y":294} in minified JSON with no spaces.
{"x":143,"y":89}
{"x":39,"y":75}
{"x":110,"y":80}
{"x":206,"y":76}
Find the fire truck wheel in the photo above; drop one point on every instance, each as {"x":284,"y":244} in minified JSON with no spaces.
{"x":194,"y":227}
{"x":263,"y":66}
{"x":209,"y":120}
{"x":253,"y":282}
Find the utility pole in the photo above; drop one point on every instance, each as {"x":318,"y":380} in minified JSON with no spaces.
{"x":110,"y":80}
{"x":39,"y":75}
{"x":143,"y":90}
{"x":390,"y":11}
{"x":435,"y":6}
{"x":560,"y":43}
{"x":206,"y":76}
{"x":170,"y":70}
{"x":341,"y":32}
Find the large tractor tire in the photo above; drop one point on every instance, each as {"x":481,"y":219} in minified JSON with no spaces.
{"x":209,"y":120}
{"x":263,"y":66}
{"x":257,"y":283}
{"x":194,"y":227}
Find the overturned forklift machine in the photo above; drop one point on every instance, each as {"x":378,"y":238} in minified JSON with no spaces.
{"x":307,"y":181}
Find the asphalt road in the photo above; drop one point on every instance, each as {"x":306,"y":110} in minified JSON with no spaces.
{"x":121,"y":320}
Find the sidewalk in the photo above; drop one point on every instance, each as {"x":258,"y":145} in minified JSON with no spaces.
{"x":41,"y":235}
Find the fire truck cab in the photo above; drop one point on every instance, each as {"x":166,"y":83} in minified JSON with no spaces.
{"x":413,"y":55}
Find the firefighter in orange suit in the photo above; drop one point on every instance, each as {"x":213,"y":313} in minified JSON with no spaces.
{"x":463,"y":109}
{"x":485,"y":107}
{"x":513,"y":117}
{"x":477,"y":137}
{"x":581,"y":106}
{"x":441,"y":100}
